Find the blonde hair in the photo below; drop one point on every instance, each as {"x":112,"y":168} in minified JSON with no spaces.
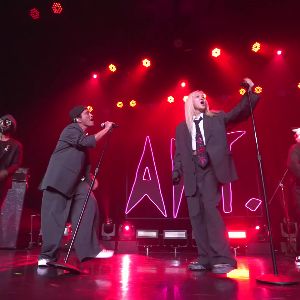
{"x":190,"y":110}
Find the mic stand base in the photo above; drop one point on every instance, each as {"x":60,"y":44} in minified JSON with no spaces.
{"x":277,"y":279}
{"x":66,"y":267}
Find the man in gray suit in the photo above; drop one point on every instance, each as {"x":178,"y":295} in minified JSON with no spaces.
{"x":204,"y":160}
{"x":65,"y":186}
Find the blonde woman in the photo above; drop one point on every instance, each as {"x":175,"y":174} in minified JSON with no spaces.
{"x":204,"y":161}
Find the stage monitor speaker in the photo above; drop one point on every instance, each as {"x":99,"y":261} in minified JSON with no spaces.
{"x":10,"y":215}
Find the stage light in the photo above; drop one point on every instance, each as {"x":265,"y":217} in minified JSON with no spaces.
{"x":171,"y":99}
{"x":175,"y":238}
{"x":237,"y":234}
{"x":108,"y":230}
{"x":126,"y":232}
{"x":174,"y":234}
{"x":299,"y":85}
{"x":242,"y":91}
{"x":57,"y":8}
{"x":89,"y":108}
{"x":95,"y":75}
{"x":112,"y":68}
{"x":256,"y":47}
{"x":183,"y":84}
{"x":120,"y":104}
{"x":146,"y":234}
{"x":216,"y":52}
{"x":258,"y":90}
{"x":185,"y":98}
{"x":146,"y":63}
{"x":34,"y":13}
{"x":257,"y":227}
{"x":279,"y":52}
{"x":132,"y":103}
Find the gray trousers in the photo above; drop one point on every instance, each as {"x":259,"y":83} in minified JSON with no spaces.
{"x":56,"y":209}
{"x":207,"y":224}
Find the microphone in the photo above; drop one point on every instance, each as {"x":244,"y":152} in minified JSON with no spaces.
{"x":114,"y":125}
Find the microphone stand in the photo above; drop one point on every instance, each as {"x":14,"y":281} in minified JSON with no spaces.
{"x":65,"y":266}
{"x":280,"y":184}
{"x":290,"y":248}
{"x":274,"y":278}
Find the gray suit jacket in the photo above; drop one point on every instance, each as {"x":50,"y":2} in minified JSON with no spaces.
{"x":69,"y":161}
{"x":216,"y":146}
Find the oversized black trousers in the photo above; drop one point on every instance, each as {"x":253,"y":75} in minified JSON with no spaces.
{"x":207,"y":223}
{"x":57,"y":209}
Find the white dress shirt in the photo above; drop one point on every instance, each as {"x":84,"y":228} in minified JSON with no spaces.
{"x":194,"y":131}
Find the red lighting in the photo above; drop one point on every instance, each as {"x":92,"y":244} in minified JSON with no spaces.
{"x":112,"y":68}
{"x":34,"y":13}
{"x":279,"y":52}
{"x":257,"y":227}
{"x":95,"y":75}
{"x":185,"y":98}
{"x":132,"y":103}
{"x":120,"y":104}
{"x":258,"y":90}
{"x":237,"y":234}
{"x":146,"y":63}
{"x":171,"y":99}
{"x":256,"y":47}
{"x":183,"y":84}
{"x":216,"y":52}
{"x":126,"y":232}
{"x":57,"y":8}
{"x":299,"y":85}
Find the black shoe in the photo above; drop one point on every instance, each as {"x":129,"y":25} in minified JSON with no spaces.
{"x":222,"y":268}
{"x":196,"y":266}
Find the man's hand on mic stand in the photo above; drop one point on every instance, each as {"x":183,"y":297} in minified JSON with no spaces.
{"x":249,"y":83}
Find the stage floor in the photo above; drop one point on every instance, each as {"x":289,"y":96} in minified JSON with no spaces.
{"x":137,"y":276}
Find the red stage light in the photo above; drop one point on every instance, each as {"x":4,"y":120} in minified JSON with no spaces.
{"x":216,"y":52}
{"x":258,"y":90}
{"x":171,"y":99}
{"x":34,"y":13}
{"x":257,"y":227}
{"x":95,"y":75}
{"x":183,"y":84}
{"x":185,"y":98}
{"x":242,"y":91}
{"x":127,"y":227}
{"x":132,"y":103}
{"x":112,"y":68}
{"x":57,"y":8}
{"x":120,"y":104}
{"x":256,"y":47}
{"x":299,"y":85}
{"x":146,"y":63}
{"x":279,"y":52}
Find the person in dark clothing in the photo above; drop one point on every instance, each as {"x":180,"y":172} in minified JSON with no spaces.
{"x":203,"y":159}
{"x":65,"y":186}
{"x":11,"y":154}
{"x":293,"y":164}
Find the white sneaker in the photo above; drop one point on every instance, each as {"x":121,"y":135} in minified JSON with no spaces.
{"x":105,"y":253}
{"x":297,"y":261}
{"x":42,"y":262}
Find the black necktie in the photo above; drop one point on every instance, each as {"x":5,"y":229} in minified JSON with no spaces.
{"x":200,"y":147}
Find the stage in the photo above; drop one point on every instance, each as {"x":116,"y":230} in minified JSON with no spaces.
{"x":137,"y":276}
